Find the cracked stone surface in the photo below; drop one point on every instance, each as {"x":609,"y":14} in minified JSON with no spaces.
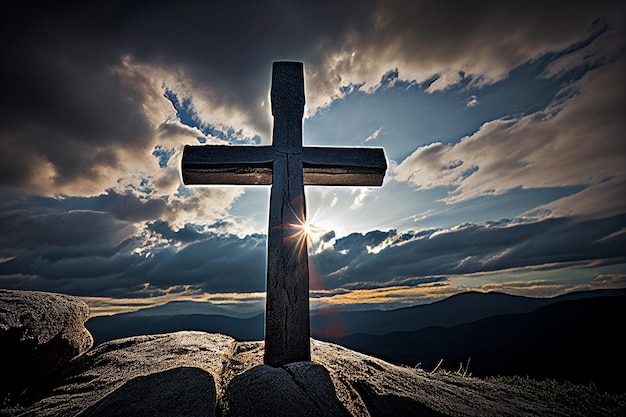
{"x":142,"y":372}
{"x":304,"y":387}
{"x":200,"y":374}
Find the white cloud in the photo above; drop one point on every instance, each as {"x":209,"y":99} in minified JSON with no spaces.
{"x":424,"y":39}
{"x":600,"y":200}
{"x":577,"y":141}
{"x":374,"y":135}
{"x":472,"y":101}
{"x":361,"y":194}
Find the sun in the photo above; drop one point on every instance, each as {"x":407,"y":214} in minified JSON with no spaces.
{"x":307,"y":228}
{"x":306,"y":232}
{"x":311,"y":231}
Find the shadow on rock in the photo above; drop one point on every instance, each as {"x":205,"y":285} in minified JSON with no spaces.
{"x":387,"y":405}
{"x":183,"y":391}
{"x":297,"y":389}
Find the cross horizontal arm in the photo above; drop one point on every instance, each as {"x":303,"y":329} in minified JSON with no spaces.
{"x":252,"y":165}
{"x":235,"y":165}
{"x":344,"y":166}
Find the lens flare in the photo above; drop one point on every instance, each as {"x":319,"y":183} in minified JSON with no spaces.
{"x":304,"y":232}
{"x":311,"y":231}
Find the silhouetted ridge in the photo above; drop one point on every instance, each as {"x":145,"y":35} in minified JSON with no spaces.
{"x":573,"y":340}
{"x":105,"y":328}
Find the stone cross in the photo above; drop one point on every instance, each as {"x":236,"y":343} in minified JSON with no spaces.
{"x":287,"y":166}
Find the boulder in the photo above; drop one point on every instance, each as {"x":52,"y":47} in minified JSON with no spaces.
{"x":39,"y":333}
{"x":277,"y":392}
{"x":173,"y":374}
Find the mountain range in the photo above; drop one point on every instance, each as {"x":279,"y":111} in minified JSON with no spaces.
{"x":575,"y":337}
{"x":53,"y":369}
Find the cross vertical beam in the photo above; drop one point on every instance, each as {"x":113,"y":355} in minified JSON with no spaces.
{"x":287,"y":327}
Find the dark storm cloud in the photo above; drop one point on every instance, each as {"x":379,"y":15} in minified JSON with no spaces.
{"x":215,"y":264}
{"x":130,"y":207}
{"x":390,"y":257}
{"x":90,"y":262}
{"x":189,"y":233}
{"x":83,"y":117}
{"x":64,"y":115}
{"x":57,"y":250}
{"x":84,"y":230}
{"x":79,"y":93}
{"x":93,"y":252}
{"x":89,"y":252}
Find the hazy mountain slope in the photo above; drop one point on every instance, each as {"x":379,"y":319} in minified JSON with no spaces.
{"x":330,"y":325}
{"x":191,"y":307}
{"x":461,"y":308}
{"x":105,"y":328}
{"x":457,"y":309}
{"x":576,"y":340}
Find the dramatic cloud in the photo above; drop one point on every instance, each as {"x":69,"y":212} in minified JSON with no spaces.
{"x":575,"y":141}
{"x":487,"y":110}
{"x":481,"y":40}
{"x":84,"y":94}
{"x":90,"y":252}
{"x":390,"y":258}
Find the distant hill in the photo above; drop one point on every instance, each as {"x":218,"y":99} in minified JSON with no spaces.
{"x":578,"y":340}
{"x":573,"y":337}
{"x":328,"y":325}
{"x":458,"y":309}
{"x":192,"y":307}
{"x":105,"y":328}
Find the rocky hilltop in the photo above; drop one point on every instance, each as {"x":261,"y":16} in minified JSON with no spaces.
{"x":201,"y":374}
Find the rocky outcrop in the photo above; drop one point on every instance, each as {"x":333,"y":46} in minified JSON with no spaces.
{"x":196,"y":373}
{"x":39,"y":333}
{"x":161,"y":375}
{"x":200,"y":374}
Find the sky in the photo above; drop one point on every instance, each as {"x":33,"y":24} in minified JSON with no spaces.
{"x":502,"y":123}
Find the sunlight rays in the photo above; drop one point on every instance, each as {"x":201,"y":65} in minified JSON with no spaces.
{"x":305,"y":234}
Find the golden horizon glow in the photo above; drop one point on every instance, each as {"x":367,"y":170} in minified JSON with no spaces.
{"x":106,"y":306}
